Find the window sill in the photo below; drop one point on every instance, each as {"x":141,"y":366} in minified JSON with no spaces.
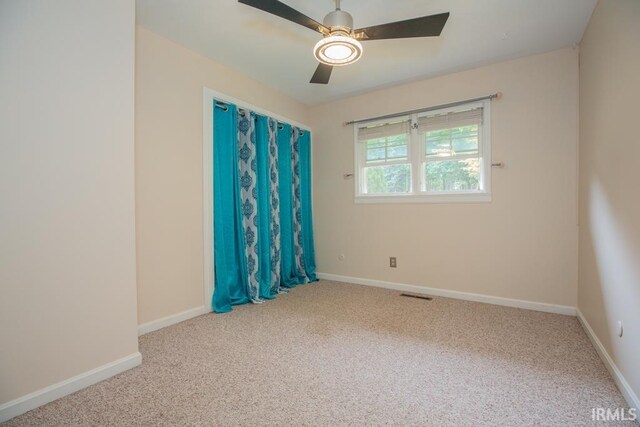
{"x":425,"y":198}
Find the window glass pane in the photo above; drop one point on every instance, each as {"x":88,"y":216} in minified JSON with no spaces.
{"x":387,"y":148}
{"x":388,"y":179}
{"x":374,"y":154}
{"x":452,"y":175}
{"x":439,"y":143}
{"x":465,"y":139}
{"x":376,"y":143}
{"x":452,"y":141}
{"x":397,"y":152}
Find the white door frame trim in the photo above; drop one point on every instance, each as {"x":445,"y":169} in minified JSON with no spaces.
{"x":208,"y":96}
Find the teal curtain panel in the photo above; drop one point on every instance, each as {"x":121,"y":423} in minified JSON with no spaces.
{"x":263,"y":226}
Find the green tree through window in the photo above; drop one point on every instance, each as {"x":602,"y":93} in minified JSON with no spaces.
{"x":389,"y":179}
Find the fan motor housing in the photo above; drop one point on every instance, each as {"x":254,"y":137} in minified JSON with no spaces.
{"x":339,"y":20}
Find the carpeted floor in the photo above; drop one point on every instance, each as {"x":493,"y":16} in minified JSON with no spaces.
{"x":338,"y":354}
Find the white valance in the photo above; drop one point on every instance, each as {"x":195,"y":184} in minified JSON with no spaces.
{"x":383,"y":130}
{"x":450,"y":120}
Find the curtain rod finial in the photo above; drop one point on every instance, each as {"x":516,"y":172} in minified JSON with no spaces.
{"x":498,"y":95}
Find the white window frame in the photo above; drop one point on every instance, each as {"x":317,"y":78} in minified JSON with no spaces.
{"x":361,"y":157}
{"x":417,"y":159}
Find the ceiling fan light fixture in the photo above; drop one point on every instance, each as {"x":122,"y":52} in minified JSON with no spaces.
{"x":341,"y":42}
{"x":338,"y":50}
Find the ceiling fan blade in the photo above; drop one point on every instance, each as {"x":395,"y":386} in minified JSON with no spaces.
{"x":426,"y":26}
{"x":283,"y":11}
{"x":322,"y":74}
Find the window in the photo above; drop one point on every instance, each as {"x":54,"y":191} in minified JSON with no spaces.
{"x":386,"y":165}
{"x":437,"y":156}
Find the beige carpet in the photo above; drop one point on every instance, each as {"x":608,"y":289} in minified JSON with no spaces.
{"x":338,"y":354}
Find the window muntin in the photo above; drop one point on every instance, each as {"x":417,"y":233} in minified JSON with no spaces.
{"x":436,"y":156}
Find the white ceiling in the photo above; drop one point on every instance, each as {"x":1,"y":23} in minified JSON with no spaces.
{"x":279,"y":53}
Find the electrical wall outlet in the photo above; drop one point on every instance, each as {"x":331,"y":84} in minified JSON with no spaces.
{"x":392,"y":262}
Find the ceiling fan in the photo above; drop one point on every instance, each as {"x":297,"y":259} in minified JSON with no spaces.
{"x":341,"y":43}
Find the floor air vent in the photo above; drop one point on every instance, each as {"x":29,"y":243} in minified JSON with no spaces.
{"x":416,"y":296}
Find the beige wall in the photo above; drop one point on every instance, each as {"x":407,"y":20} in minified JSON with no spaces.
{"x":522,"y":245}
{"x":67,"y":238}
{"x":609,"y":274}
{"x":169,"y":85}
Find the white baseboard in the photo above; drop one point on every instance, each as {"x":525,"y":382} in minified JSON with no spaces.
{"x":529,"y":305}
{"x":621,"y":382}
{"x":56,"y":391}
{"x":48,"y":394}
{"x":154,"y":325}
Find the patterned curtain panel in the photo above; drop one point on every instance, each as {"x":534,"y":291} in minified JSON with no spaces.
{"x":263,"y":226}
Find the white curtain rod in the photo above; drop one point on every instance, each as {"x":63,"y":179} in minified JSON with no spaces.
{"x":496,"y":95}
